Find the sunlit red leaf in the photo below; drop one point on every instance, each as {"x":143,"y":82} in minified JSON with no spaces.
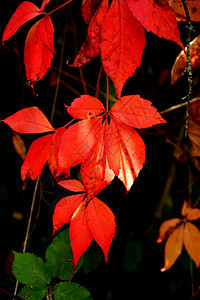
{"x":64,"y":210}
{"x":80,"y":235}
{"x":192,"y":242}
{"x":85,"y":107}
{"x":101,"y":222}
{"x":158,"y":17}
{"x":136,"y":112}
{"x":44,"y":3}
{"x":29,"y":120}
{"x":88,"y":9}
{"x":122,"y":45}
{"x":39,"y":49}
{"x":78,"y":142}
{"x":181,"y":63}
{"x":167,"y":228}
{"x":19,"y":145}
{"x":193,"y":8}
{"x":72,"y":185}
{"x":25,"y":12}
{"x":125,"y":151}
{"x":90,"y":48}
{"x":36,"y":157}
{"x":173,"y":247}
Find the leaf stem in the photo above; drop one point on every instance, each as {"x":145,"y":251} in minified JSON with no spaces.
{"x":70,"y":122}
{"x":59,"y":7}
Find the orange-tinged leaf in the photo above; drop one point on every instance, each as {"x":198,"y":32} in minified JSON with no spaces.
{"x":64,"y":210}
{"x":158,"y":17}
{"x":125,"y":151}
{"x":193,"y":214}
{"x":39,"y":49}
{"x":78,"y":142}
{"x":85,"y":107}
{"x":192,"y":242}
{"x":173,"y":247}
{"x":72,"y":185}
{"x":36,"y":157}
{"x":122,"y":44}
{"x":101,"y":222}
{"x":29,"y":120}
{"x":136,"y":112}
{"x":181,"y":63}
{"x":90,"y":48}
{"x":80,"y":235}
{"x":167,"y":228}
{"x":193,"y":8}
{"x":19,"y":145}
{"x":25,"y":12}
{"x":194,"y":128}
{"x":185,"y":208}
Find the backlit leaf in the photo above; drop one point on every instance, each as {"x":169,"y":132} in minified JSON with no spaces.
{"x":167,"y":228}
{"x":193,"y":8}
{"x":192,"y":242}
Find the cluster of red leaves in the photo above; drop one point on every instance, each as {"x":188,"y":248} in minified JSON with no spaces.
{"x":103,"y":142}
{"x":179,"y":232}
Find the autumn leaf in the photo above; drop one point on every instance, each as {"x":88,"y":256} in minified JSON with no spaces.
{"x":122,"y":44}
{"x":124,"y":153}
{"x":193,"y":8}
{"x":25,"y":12}
{"x":88,"y":9}
{"x":90,"y":48}
{"x":192,"y":242}
{"x":89,"y":219}
{"x":180,"y":63}
{"x":29,"y":120}
{"x":19,"y":145}
{"x":39,"y":50}
{"x":44,"y":3}
{"x":158,"y":17}
{"x":194,"y":128}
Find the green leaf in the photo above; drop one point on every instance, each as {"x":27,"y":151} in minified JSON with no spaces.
{"x":33,"y":293}
{"x":70,"y":291}
{"x":59,"y":257}
{"x":133,"y":255}
{"x":30,"y":269}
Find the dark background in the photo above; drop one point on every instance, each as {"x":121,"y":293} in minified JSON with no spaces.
{"x":135,"y":259}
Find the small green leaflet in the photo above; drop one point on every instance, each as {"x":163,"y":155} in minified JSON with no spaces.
{"x":70,"y":291}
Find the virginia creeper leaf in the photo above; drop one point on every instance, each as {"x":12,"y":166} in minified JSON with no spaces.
{"x":173,"y":247}
{"x":25,"y":12}
{"x":30,"y":269}
{"x":70,"y":291}
{"x":36,"y":157}
{"x":80,"y":235}
{"x":136,"y":112}
{"x":125,"y":151}
{"x":85,"y":107}
{"x":19,"y":145}
{"x":101,"y":222}
{"x":72,"y":185}
{"x":192,"y":242}
{"x":90,"y":48}
{"x":122,"y":44}
{"x":193,"y":8}
{"x":167,"y":228}
{"x":64,"y":210}
{"x":39,"y":49}
{"x":88,"y":9}
{"x":193,"y":214}
{"x":158,"y":17}
{"x":44,"y":3}
{"x":29,"y":120}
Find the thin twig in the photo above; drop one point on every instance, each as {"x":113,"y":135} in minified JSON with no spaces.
{"x":179,"y":105}
{"x":59,"y":7}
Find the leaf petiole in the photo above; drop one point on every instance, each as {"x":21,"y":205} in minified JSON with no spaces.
{"x":59,"y":7}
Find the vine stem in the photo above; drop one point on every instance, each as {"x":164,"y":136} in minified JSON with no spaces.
{"x":59,"y":7}
{"x":189,"y":69}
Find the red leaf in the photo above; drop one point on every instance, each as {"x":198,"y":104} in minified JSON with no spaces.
{"x":101,"y":222}
{"x":80,"y":235}
{"x":36,"y":157}
{"x":125,"y":151}
{"x":90,"y":48}
{"x":72,"y":185}
{"x":122,"y":44}
{"x":85,"y":107}
{"x":64,"y":210}
{"x":136,"y":112}
{"x":25,"y":12}
{"x":29,"y":120}
{"x":44,"y":3}
{"x":78,"y":142}
{"x":158,"y":17}
{"x":39,"y":49}
{"x":88,"y":9}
